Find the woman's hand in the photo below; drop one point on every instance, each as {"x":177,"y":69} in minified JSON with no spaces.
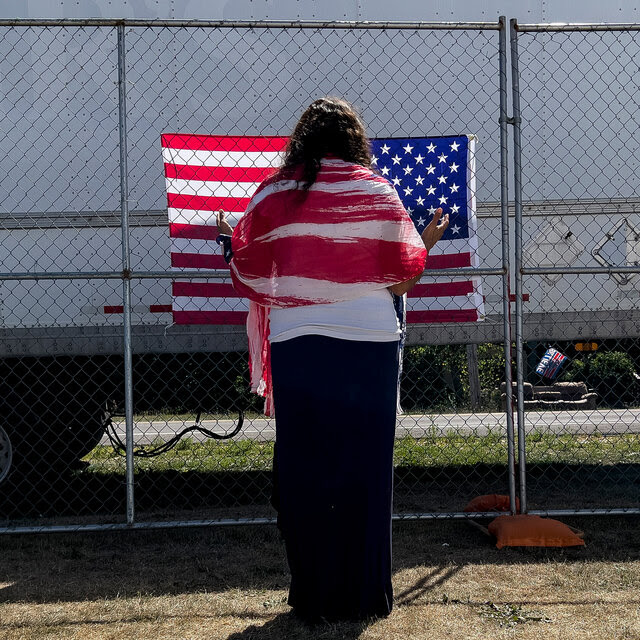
{"x":434,"y":230}
{"x":432,"y":233}
{"x":224,"y":227}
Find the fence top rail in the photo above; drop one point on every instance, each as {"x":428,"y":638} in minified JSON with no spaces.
{"x":576,"y":26}
{"x":252,"y":24}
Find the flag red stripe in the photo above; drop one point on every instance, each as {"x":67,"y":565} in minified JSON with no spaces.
{"x":210,"y":317}
{"x":206,"y":203}
{"x":205,"y":290}
{"x":442,"y":316}
{"x":198,"y":261}
{"x":223,"y":143}
{"x":218,"y":174}
{"x":448,"y":261}
{"x":441,"y":289}
{"x":114,"y":309}
{"x":193,"y":231}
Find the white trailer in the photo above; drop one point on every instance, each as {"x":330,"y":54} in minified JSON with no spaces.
{"x":60,"y":182}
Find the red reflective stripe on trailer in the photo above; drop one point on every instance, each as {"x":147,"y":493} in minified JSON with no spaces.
{"x":210,"y":317}
{"x":154,"y":308}
{"x":223,"y":143}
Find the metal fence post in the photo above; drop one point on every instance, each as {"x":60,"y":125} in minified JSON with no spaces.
{"x":504,"y":210}
{"x":126,"y":272}
{"x":517,"y":196}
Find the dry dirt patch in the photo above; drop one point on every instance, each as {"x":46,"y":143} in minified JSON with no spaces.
{"x":450,"y":582}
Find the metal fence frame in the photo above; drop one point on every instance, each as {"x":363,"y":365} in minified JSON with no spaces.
{"x":127,"y":275}
{"x":521,"y":270}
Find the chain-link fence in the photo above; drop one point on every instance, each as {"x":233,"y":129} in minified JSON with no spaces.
{"x":577,"y":241}
{"x":96,"y":376}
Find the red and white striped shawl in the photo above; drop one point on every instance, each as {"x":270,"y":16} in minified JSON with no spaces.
{"x":348,"y":236}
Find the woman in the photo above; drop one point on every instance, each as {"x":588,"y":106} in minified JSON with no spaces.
{"x":322,"y":245}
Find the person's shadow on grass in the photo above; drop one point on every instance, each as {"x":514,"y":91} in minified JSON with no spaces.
{"x":287,"y":626}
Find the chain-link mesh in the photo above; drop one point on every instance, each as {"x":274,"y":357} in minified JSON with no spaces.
{"x":256,"y":82}
{"x":59,"y":190}
{"x":580,"y":210}
{"x":63,"y":365}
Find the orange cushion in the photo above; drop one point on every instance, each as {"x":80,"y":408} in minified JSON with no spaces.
{"x":493,"y":502}
{"x":532,"y":531}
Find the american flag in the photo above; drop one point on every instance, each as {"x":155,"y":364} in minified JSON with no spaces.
{"x":207,"y":173}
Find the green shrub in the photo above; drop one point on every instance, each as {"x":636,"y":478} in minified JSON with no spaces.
{"x":610,"y":374}
{"x":434,"y":378}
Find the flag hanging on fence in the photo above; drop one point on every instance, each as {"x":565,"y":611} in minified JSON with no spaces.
{"x":207,"y":173}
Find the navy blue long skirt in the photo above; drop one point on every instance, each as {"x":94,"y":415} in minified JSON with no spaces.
{"x":335,"y":403}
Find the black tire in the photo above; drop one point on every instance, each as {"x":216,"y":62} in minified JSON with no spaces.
{"x":49,"y":432}
{"x":6,"y":454}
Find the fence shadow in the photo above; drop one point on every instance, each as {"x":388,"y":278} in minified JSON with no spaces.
{"x":438,"y":489}
{"x":99,"y":565}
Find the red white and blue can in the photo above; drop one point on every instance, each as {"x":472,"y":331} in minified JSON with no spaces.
{"x":550,"y":364}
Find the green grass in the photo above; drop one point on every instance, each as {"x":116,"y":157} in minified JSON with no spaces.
{"x":187,"y":455}
{"x":433,"y":451}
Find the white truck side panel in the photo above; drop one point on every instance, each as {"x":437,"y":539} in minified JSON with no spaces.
{"x":531,"y":11}
{"x":59,"y":94}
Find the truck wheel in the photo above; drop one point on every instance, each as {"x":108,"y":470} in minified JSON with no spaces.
{"x":6,"y":456}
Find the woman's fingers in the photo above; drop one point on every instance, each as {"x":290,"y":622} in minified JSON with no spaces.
{"x":223,"y":226}
{"x":435,"y":229}
{"x":436,"y":217}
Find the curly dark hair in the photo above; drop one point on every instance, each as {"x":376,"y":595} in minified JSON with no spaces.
{"x":329,"y":126}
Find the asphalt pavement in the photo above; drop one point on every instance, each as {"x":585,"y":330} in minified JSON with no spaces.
{"x":602,"y":421}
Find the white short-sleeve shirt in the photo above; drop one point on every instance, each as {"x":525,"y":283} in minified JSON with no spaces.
{"x":371,"y":317}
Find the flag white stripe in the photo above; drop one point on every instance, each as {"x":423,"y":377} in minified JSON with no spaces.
{"x":448,"y":247}
{"x":442,"y":303}
{"x":211,"y":188}
{"x":195,"y":303}
{"x":203,"y":158}
{"x":191,"y":245}
{"x":201,"y":218}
